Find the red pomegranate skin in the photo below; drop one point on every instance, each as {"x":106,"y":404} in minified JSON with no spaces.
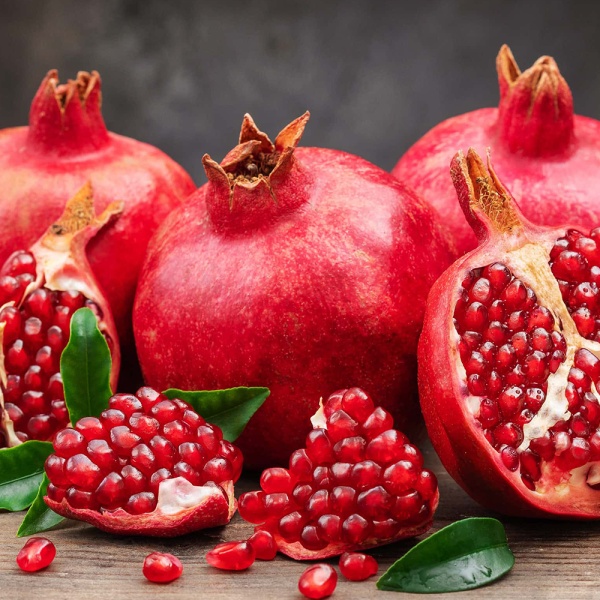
{"x":64,"y":147}
{"x":324,"y":287}
{"x":549,"y":157}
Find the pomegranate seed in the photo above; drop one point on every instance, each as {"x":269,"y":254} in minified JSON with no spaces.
{"x":357,"y":404}
{"x":317,"y":504}
{"x":400,"y":477}
{"x":264,"y":545}
{"x":231,"y":556}
{"x":530,"y":465}
{"x":358,"y":567}
{"x":251,"y":507}
{"x":36,"y":554}
{"x":318,"y":581}
{"x":365,"y":474}
{"x":377,"y":422}
{"x":343,"y":500}
{"x":83,"y":473}
{"x":341,"y":473}
{"x":374,"y":503}
{"x":355,"y":529}
{"x":310,"y":538}
{"x":510,"y":401}
{"x":339,"y":426}
{"x":509,"y":434}
{"x":407,"y":505}
{"x":291,"y":525}
{"x":476,"y":317}
{"x":302,"y":493}
{"x":319,"y":447}
{"x":160,"y":567}
{"x":142,"y":502}
{"x":509,"y":457}
{"x":498,"y":275}
{"x":329,"y":527}
{"x":481,"y":291}
{"x":351,"y":449}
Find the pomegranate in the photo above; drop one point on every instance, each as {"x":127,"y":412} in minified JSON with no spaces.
{"x":264,"y":545}
{"x":304,"y":269}
{"x":232,"y":556}
{"x":40,"y":289}
{"x":508,"y":358}
{"x":356,"y":566}
{"x":162,"y":567}
{"x":548,"y":156}
{"x":66,"y":144}
{"x":147,"y":466}
{"x":36,"y":554}
{"x":318,"y":581}
{"x":358,"y":483}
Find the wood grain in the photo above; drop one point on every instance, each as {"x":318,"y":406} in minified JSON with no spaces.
{"x":554,"y":560}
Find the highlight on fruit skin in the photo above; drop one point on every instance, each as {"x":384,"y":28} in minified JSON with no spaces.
{"x":40,"y":289}
{"x":509,"y":358}
{"x":358,"y":483}
{"x":147,"y":466}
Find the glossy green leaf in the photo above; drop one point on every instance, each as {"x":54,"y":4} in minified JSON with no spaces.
{"x":464,"y":555}
{"x":21,"y":472}
{"x":230,"y":409}
{"x":39,"y":517}
{"x":85,"y":366}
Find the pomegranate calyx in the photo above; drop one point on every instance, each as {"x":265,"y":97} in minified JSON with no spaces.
{"x":66,"y":118}
{"x":535,"y":113}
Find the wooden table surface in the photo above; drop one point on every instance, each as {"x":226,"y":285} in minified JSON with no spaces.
{"x":554,"y":560}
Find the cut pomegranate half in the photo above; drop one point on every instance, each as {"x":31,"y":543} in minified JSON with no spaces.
{"x":40,"y":289}
{"x":508,"y":358}
{"x":147,"y":466}
{"x":359,"y":483}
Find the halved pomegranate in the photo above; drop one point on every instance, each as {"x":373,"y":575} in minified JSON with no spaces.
{"x":359,"y":483}
{"x":508,"y":358}
{"x":40,"y":289}
{"x":147,"y":466}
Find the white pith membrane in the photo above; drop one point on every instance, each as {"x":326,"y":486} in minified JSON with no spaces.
{"x":529,"y":262}
{"x":178,"y":494}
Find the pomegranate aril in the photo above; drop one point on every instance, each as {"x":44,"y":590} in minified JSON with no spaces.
{"x":488,"y":413}
{"x":10,"y":289}
{"x":534,"y":398}
{"x":290,"y":526}
{"x":145,"y":426}
{"x":156,"y":478}
{"x":112,"y":418}
{"x":182,"y":469}
{"x":374,"y":503}
{"x":318,"y":581}
{"x":509,"y":434}
{"x":83,"y":473}
{"x":357,"y":404}
{"x":569,"y":266}
{"x":126,"y":403}
{"x":192,"y":453}
{"x":251,"y":507}
{"x":91,"y":428}
{"x":164,"y":451}
{"x":82,"y":499}
{"x":36,"y":554}
{"x":329,"y":527}
{"x":400,"y":477}
{"x":55,"y":493}
{"x":209,"y":437}
{"x":217,"y":469}
{"x":55,"y":467}
{"x":355,"y":566}
{"x":341,"y":473}
{"x":355,"y":529}
{"x":510,"y":401}
{"x":530,"y":465}
{"x":310,"y":538}
{"x":426,"y":485}
{"x":140,"y":503}
{"x":343,"y":500}
{"x":365,"y":474}
{"x":161,"y":567}
{"x":318,"y":504}
{"x":69,"y":442}
{"x":407,"y":506}
{"x":476,"y":317}
{"x":231,"y":556}
{"x":165,"y":411}
{"x":264,"y":545}
{"x":579,"y":426}
{"x":17,"y":360}
{"x":143,"y":459}
{"x":111,"y":491}
{"x":45,"y":361}
{"x":584,"y":320}
{"x":509,"y":457}
{"x":276,"y":479}
{"x":351,"y":449}
{"x":319,"y":448}
{"x":498,"y":275}
{"x":384,"y":448}
{"x":497,"y":333}
{"x":123,"y":440}
{"x":134,"y":480}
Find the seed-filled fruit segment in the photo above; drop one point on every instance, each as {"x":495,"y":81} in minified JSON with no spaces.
{"x":516,"y":376}
{"x":40,"y":289}
{"x":358,"y":483}
{"x":148,"y":465}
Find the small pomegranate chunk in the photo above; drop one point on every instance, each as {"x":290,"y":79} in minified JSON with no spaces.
{"x":358,"y":483}
{"x":40,"y":289}
{"x":161,"y":567}
{"x":356,"y":566}
{"x":148,"y":465}
{"x":318,"y":581}
{"x":231,"y":556}
{"x":36,"y":554}
{"x":264,"y":545}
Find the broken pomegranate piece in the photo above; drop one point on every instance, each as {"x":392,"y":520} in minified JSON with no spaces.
{"x":358,"y":483}
{"x":40,"y":289}
{"x":508,"y":360}
{"x":147,"y":466}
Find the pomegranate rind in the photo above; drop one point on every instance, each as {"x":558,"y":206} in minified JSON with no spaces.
{"x":455,"y":434}
{"x":217,"y":507}
{"x":296,"y":551}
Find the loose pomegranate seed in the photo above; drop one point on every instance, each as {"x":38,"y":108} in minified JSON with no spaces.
{"x":36,"y":554}
{"x":318,"y":581}
{"x":160,"y":567}
{"x":264,"y":545}
{"x":358,"y":567}
{"x":231,"y":556}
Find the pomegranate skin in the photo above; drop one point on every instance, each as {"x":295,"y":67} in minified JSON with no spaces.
{"x":61,"y":149}
{"x":448,"y":407}
{"x":325,"y":286}
{"x":548,"y":156}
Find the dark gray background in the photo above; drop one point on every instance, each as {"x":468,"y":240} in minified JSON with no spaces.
{"x":375,"y":75}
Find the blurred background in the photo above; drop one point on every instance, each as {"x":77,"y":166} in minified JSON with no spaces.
{"x":375,"y":75}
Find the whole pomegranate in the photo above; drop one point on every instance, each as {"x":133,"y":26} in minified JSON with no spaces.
{"x":65,"y":145}
{"x":357,"y":483}
{"x":548,"y":157}
{"x":40,"y":289}
{"x":295,"y":268}
{"x":147,"y":466}
{"x":508,"y":358}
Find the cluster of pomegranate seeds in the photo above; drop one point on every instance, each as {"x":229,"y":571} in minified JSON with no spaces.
{"x":36,"y":330}
{"x":119,"y":459}
{"x":232,"y":556}
{"x":357,"y":482}
{"x":161,"y":567}
{"x":575,"y":262}
{"x":318,"y":581}
{"x":510,"y":345}
{"x":36,"y":554}
{"x":356,"y":566}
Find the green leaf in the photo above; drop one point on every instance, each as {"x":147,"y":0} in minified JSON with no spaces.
{"x":21,"y":471}
{"x":39,"y":517}
{"x":462,"y":556}
{"x":85,"y":366}
{"x":230,"y":409}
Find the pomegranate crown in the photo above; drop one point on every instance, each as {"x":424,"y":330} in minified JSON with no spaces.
{"x":67,"y":118}
{"x":536,"y":106}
